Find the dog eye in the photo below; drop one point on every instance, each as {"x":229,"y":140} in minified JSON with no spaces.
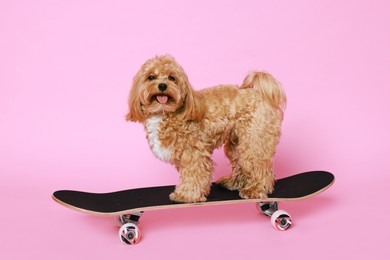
{"x":171,"y":78}
{"x":151,"y":77}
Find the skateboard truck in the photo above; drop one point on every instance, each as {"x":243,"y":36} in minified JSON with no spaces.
{"x":129,"y":232}
{"x":280,"y":219}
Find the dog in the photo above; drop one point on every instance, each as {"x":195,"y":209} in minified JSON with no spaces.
{"x":184,"y":127}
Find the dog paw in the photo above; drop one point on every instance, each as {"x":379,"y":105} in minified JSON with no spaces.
{"x":186,"y":198}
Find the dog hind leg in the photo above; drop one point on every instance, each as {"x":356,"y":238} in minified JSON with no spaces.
{"x":255,"y":150}
{"x":256,"y":178}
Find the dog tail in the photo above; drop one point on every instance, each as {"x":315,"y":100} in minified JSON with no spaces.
{"x":270,"y":89}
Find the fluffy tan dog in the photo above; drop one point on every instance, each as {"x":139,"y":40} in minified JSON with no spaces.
{"x":184,"y":127}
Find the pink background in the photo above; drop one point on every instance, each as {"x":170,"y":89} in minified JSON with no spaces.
{"x":65,"y":72}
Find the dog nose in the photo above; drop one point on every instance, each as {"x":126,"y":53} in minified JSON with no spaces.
{"x":162,"y":86}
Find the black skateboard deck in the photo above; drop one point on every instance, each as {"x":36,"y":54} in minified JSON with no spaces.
{"x":134,"y":201}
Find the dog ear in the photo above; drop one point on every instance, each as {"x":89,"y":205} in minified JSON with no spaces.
{"x":135,"y":111}
{"x":193,"y":110}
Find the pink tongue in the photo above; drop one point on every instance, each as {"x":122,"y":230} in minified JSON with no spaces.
{"x":162,"y":99}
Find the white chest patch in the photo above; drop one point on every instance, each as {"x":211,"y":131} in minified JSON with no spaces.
{"x":152,"y":127}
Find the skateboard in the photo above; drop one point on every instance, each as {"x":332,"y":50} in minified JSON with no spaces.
{"x":128,"y":205}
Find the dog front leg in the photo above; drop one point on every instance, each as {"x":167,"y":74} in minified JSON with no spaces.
{"x":195,"y":172}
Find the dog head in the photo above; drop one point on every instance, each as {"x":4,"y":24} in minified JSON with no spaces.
{"x":161,"y":87}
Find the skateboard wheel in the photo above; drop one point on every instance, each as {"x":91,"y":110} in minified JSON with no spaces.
{"x":281,"y":220}
{"x":129,"y":234}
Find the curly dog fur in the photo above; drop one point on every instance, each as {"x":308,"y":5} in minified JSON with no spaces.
{"x":184,"y":127}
